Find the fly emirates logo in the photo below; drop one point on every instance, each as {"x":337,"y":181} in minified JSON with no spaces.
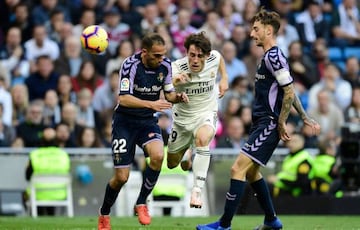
{"x":199,"y":88}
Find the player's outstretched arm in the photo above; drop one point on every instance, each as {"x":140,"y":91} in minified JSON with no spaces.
{"x":223,"y":84}
{"x":315,"y":127}
{"x":134,"y":102}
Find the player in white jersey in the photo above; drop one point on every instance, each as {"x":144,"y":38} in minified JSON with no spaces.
{"x":195,"y":122}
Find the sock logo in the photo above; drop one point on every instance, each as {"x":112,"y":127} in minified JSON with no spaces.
{"x":230,"y":196}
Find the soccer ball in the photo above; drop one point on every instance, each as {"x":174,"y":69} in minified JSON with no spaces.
{"x":94,"y":39}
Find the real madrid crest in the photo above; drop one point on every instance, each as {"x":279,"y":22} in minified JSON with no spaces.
{"x":160,"y":77}
{"x":212,"y":74}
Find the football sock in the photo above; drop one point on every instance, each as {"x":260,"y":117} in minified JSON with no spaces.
{"x":264,"y":198}
{"x":109,"y":199}
{"x":201,"y":165}
{"x":233,"y":197}
{"x":149,"y":181}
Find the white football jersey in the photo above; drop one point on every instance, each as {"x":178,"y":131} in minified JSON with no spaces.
{"x":201,"y":89}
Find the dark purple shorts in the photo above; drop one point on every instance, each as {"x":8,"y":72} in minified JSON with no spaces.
{"x":263,"y":140}
{"x":127,"y":132}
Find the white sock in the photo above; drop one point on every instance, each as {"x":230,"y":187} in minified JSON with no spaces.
{"x":200,"y":166}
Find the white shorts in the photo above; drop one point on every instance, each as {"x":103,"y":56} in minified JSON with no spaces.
{"x":182,"y":137}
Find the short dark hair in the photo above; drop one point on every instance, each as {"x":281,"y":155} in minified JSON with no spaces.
{"x":200,"y":41}
{"x":150,"y":39}
{"x":268,"y":18}
{"x":42,"y":57}
{"x":21,"y":4}
{"x":55,"y":12}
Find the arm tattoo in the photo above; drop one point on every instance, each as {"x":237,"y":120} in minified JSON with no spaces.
{"x":299,"y":108}
{"x":288,"y":100}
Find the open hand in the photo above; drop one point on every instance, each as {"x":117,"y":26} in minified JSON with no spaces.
{"x":284,"y":135}
{"x":160,"y":105}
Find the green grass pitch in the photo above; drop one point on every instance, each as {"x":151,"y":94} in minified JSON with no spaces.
{"x":245,"y":222}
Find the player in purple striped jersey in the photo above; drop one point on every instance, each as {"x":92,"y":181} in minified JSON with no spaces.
{"x":142,"y":78}
{"x":274,"y":97}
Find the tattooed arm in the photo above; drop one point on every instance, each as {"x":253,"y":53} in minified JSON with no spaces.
{"x":306,"y":119}
{"x":299,"y":108}
{"x":289,"y":95}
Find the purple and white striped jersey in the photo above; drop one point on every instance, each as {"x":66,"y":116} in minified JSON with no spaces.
{"x":272,"y":74}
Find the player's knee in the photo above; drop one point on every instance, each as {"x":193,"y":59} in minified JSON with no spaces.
{"x":119,"y":180}
{"x":204,"y":135}
{"x":202,"y":141}
{"x":156,"y":160}
{"x":237,"y":172}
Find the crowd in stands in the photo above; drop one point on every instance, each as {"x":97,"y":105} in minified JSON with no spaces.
{"x":47,"y":80}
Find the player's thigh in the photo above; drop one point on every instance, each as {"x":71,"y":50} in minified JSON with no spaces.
{"x":173,"y":159}
{"x":205,"y":128}
{"x":155,"y":151}
{"x":150,"y":139}
{"x":253,"y":173}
